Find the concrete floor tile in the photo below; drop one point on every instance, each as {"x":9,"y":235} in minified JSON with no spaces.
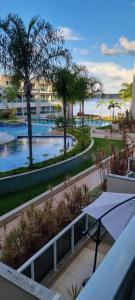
{"x":65,"y":282}
{"x":80,"y":270}
{"x":86,"y":256}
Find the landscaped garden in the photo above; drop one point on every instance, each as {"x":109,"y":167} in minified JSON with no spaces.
{"x":11,"y":201}
{"x":82,"y":142}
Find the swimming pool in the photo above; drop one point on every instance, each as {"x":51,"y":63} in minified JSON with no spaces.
{"x":14,"y":155}
{"x":22,"y":130}
{"x":93,"y":123}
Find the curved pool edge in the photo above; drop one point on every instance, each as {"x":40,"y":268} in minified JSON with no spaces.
{"x":28,"y":179}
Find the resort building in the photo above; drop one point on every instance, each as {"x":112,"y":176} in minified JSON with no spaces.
{"x":43,"y":100}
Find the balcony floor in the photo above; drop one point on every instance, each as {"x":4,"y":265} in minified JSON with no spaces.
{"x":80,"y":267}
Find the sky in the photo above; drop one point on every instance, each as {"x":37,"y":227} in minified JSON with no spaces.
{"x":100,"y":34}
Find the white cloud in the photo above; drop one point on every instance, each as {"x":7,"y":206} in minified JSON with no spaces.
{"x":123,"y":47}
{"x":70,"y":34}
{"x":128,"y":46}
{"x":112,"y":75}
{"x":81,"y":51}
{"x":116,"y":50}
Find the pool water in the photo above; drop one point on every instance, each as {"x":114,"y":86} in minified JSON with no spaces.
{"x":93,"y":123}
{"x":15,"y":154}
{"x":38,"y":130}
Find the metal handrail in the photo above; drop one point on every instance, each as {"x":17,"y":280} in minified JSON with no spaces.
{"x":98,"y":221}
{"x":30,"y":261}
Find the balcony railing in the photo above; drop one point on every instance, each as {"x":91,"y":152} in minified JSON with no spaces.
{"x":115,"y":277}
{"x":48,"y":257}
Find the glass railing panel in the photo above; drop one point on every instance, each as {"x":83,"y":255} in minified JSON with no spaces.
{"x":27,"y":272}
{"x":43,"y":264}
{"x":63,"y":245}
{"x":79,"y":228}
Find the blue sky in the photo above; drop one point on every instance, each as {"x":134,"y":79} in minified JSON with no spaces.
{"x":99,"y":33}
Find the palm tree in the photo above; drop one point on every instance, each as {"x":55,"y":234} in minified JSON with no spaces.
{"x":126,"y":91}
{"x":82,"y":93}
{"x":64,"y":84}
{"x":87,"y":87}
{"x":100,"y":104}
{"x":112,"y":105}
{"x":30,"y":52}
{"x":57,"y":108}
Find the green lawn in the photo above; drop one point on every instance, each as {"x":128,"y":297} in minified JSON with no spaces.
{"x":11,"y":201}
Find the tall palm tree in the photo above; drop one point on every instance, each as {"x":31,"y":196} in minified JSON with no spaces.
{"x":112,"y":105}
{"x":29,"y":52}
{"x":126,"y":91}
{"x":82,"y":92}
{"x":64,"y":84}
{"x":87,"y":87}
{"x":100,"y":104}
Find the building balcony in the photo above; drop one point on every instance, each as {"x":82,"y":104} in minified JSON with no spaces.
{"x":71,"y":249}
{"x":80,"y":268}
{"x":115,"y":277}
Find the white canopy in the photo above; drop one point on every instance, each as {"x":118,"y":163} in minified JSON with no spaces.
{"x":117,"y":219}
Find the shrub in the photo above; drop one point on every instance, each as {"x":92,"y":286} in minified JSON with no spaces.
{"x":118,"y":162}
{"x":59,"y":122}
{"x":38,"y":226}
{"x":127,"y":123}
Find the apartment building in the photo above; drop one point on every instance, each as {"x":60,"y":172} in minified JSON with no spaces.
{"x":43,"y":99}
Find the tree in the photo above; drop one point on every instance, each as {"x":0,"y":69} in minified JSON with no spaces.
{"x":82,"y":93}
{"x":64,"y":84}
{"x":87,"y":87}
{"x":126,"y":91}
{"x":100,"y":104}
{"x":30,"y":52}
{"x":10,"y":93}
{"x":112,"y":105}
{"x":57,"y":108}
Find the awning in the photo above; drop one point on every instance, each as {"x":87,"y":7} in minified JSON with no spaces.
{"x":116,"y":220}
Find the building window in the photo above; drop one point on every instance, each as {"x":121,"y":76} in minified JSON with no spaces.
{"x":19,"y":111}
{"x":45,"y":109}
{"x":33,"y":110}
